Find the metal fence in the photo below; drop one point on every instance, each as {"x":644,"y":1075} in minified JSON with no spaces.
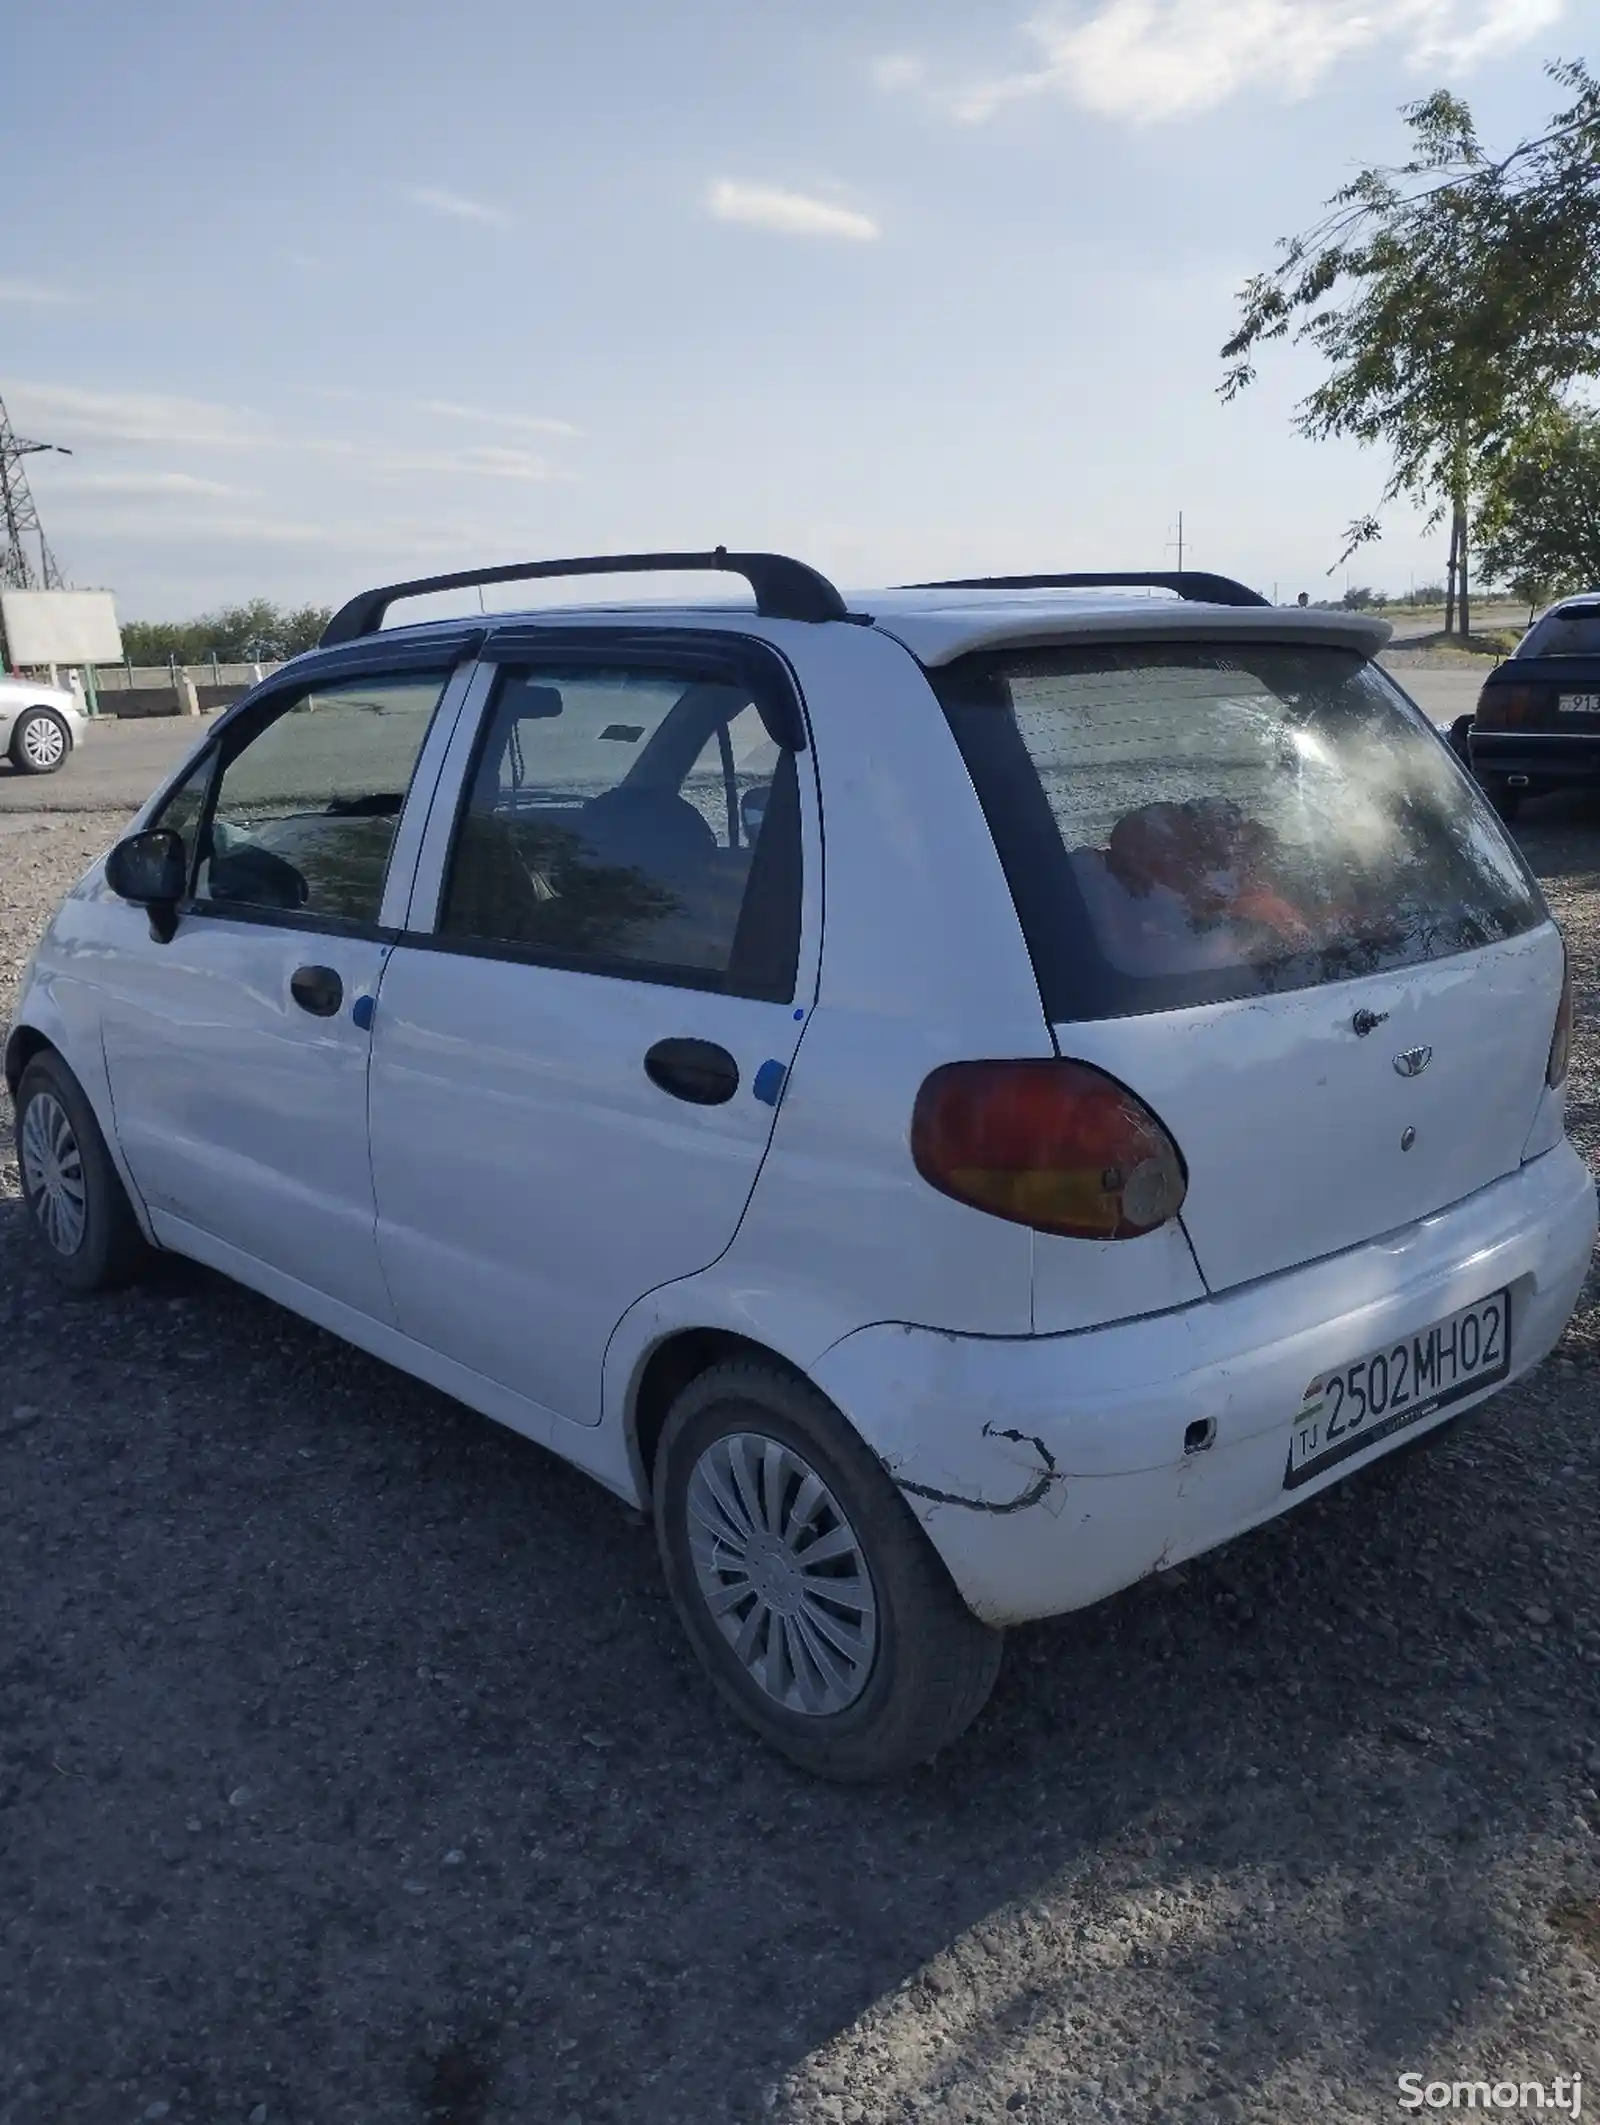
{"x":209,"y":671}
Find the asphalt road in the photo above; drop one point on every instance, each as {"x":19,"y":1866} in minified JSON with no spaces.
{"x":120,"y":763}
{"x":114,"y":770}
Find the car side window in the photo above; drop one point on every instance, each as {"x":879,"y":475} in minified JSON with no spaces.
{"x":181,"y":814}
{"x":306,"y":811}
{"x":632,"y":822}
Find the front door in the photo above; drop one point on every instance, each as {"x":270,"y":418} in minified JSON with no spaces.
{"x":576,"y":1063}
{"x":237,"y":1050}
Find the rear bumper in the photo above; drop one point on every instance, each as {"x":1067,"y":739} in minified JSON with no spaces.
{"x":1049,"y":1471}
{"x":1549,"y":759}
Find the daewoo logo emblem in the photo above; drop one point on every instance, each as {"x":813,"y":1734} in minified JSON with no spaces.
{"x":1411,"y":1062}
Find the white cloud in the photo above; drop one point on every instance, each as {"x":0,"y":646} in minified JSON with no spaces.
{"x":1149,"y":60}
{"x":762,"y":206}
{"x":457,"y":206}
{"x":34,"y":292}
{"x":150,"y":485}
{"x":62,"y":410}
{"x":481,"y":463}
{"x":364,"y":540}
{"x":64,"y":413}
{"x":517,"y":423}
{"x":203,"y":529}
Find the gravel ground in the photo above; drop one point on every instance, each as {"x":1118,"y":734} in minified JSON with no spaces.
{"x":352,"y":1769}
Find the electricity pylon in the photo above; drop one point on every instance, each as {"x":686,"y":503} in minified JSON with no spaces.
{"x":19,"y":516}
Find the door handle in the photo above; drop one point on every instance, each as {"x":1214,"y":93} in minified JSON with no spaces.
{"x":696,"y":1070}
{"x":317,"y":990}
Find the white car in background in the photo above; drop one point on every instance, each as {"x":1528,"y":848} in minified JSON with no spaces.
{"x":953,"y":1101}
{"x":39,"y":725}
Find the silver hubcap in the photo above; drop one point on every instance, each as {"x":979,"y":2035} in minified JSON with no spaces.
{"x":52,"y":1173}
{"x":43,"y":740}
{"x":781,"y":1570}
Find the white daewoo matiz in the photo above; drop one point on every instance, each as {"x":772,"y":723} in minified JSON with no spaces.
{"x":953,"y":1103}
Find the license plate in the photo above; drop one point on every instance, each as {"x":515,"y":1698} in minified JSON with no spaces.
{"x":1579,"y":704}
{"x":1354,"y":1407}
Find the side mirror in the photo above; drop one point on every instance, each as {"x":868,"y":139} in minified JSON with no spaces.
{"x":151,"y":870}
{"x":149,"y":867}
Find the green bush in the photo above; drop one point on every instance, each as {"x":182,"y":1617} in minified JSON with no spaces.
{"x":259,"y":632}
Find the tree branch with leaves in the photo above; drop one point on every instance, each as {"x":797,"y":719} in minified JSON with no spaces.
{"x":1453,"y":298}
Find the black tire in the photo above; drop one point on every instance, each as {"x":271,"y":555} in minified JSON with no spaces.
{"x":1458,"y":740}
{"x":22,"y":759}
{"x":110,"y":1250}
{"x":934,"y":1663}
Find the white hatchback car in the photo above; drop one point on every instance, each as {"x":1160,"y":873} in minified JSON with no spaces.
{"x":39,"y":725}
{"x":953,"y":1103}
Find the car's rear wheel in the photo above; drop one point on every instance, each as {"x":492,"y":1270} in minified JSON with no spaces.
{"x":1459,"y":742}
{"x":815,"y":1602}
{"x":76,"y":1201}
{"x":40,"y":742}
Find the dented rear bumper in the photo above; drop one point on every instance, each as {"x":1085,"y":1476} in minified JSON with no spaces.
{"x":1049,"y":1471}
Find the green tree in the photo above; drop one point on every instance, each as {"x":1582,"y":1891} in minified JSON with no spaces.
{"x":1538,"y":526}
{"x":1452,"y":297}
{"x":235,"y":634}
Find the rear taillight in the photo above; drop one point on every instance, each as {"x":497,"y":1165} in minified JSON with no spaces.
{"x":1555,"y":1072}
{"x":1508,"y":707}
{"x":1055,"y":1145}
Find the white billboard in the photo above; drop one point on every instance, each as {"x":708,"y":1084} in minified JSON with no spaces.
{"x":60,"y":627}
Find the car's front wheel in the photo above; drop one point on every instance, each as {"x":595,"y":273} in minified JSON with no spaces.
{"x":76,"y":1201}
{"x":40,"y":742}
{"x":816,"y":1603}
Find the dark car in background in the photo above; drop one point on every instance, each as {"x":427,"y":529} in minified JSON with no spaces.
{"x":1537,"y":726}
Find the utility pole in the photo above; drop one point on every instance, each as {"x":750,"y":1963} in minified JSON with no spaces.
{"x":19,"y":517}
{"x":1179,"y":542}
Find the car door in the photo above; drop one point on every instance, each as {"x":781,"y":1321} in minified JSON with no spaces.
{"x":237,"y":1049}
{"x":581,"y":1041}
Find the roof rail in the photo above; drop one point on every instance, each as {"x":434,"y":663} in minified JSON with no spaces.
{"x":1187,"y":582}
{"x":784,"y":589}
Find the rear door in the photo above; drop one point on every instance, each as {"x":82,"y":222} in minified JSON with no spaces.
{"x":581,"y":1040}
{"x":1261,"y":893}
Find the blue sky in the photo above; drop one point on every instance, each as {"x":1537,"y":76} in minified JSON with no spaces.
{"x":323,"y":295}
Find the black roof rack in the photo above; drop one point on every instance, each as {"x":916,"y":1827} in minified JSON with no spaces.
{"x":1187,"y":582}
{"x":784,"y":589}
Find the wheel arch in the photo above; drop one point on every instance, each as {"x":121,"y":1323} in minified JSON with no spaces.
{"x":23,"y":1045}
{"x":57,"y":716}
{"x":666,"y":1369}
{"x":29,"y":1038}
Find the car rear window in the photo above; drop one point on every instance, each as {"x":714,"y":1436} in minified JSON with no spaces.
{"x":1573,"y":633}
{"x":1182,"y":823}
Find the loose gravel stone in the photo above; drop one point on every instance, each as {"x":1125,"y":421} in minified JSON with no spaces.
{"x":1247,"y":1842}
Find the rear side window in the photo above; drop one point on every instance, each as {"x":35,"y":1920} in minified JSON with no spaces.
{"x":1573,"y":633}
{"x":1183,"y":823}
{"x":635,"y":822}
